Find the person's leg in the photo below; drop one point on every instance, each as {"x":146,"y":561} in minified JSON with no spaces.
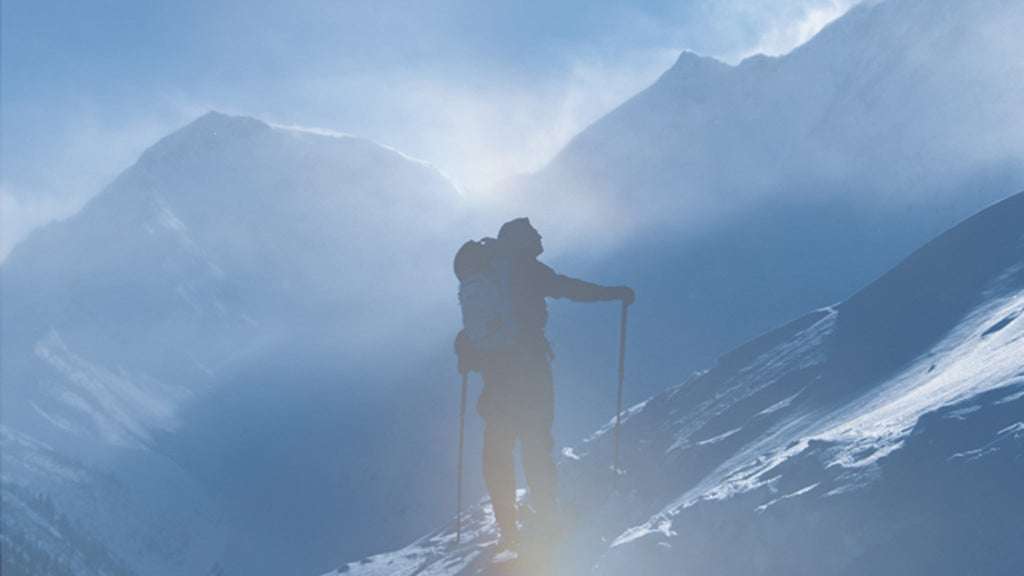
{"x":538,"y":444}
{"x":539,"y":465}
{"x":499,"y":474}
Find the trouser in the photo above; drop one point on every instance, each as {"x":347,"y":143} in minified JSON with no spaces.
{"x":518,"y":403}
{"x":538,"y":464}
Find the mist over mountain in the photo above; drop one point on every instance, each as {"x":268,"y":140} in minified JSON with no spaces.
{"x":237,"y":358}
{"x":227,"y":327}
{"x":736,"y":197}
{"x":895,"y":102}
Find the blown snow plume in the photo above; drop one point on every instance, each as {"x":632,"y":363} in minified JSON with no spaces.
{"x":882,"y":435}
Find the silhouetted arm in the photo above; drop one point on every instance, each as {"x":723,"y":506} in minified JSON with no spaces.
{"x":583,"y":291}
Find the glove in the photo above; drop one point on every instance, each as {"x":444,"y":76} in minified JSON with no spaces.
{"x":626,"y":294}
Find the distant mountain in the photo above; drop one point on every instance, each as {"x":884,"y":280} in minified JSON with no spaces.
{"x":227,"y":239}
{"x":884,"y":435}
{"x":895,"y":101}
{"x":735,"y":197}
{"x":240,"y":283}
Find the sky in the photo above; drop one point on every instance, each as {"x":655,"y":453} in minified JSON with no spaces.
{"x":484,"y":91}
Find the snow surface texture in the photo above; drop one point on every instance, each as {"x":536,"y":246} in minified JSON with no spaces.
{"x":810,"y":450}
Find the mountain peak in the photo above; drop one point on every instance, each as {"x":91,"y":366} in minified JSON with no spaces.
{"x":202,"y":133}
{"x":215,"y":120}
{"x":690,"y":64}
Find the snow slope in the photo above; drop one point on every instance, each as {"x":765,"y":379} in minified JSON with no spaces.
{"x":881,"y":435}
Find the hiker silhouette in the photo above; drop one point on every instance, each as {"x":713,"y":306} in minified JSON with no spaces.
{"x":517,"y":401}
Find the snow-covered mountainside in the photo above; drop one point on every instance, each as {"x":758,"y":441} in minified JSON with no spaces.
{"x":896,"y":121}
{"x":883,"y":435}
{"x":892,"y":100}
{"x":226,"y":239}
{"x":144,"y":515}
{"x":236,"y":274}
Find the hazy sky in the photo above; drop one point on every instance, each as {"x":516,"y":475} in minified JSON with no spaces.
{"x":484,"y":90}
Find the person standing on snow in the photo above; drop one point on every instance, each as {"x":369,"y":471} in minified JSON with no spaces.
{"x":517,"y":401}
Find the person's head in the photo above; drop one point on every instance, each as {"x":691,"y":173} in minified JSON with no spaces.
{"x":521,"y":237}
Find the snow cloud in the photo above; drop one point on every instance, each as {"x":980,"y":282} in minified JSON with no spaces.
{"x":19,"y":217}
{"x":795,"y":26}
{"x":483,"y":131}
{"x":52,"y":170}
{"x":483,"y":93}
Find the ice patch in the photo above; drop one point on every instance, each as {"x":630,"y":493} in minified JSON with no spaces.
{"x":659,"y":525}
{"x":855,"y":479}
{"x":865,"y":452}
{"x":719,"y":438}
{"x":779,"y":405}
{"x":626,"y":415}
{"x":1014,"y":429}
{"x":1011,"y":398}
{"x":962,"y":413}
{"x":796,"y":494}
{"x":972,"y":455}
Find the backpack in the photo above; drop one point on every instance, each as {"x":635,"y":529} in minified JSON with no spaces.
{"x":484,"y":296}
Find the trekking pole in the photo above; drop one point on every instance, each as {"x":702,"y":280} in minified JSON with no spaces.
{"x":618,"y":413}
{"x":462,"y":428}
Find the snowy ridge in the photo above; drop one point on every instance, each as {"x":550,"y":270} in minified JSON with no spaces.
{"x":780,"y":431}
{"x":874,"y":426}
{"x":343,"y":135}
